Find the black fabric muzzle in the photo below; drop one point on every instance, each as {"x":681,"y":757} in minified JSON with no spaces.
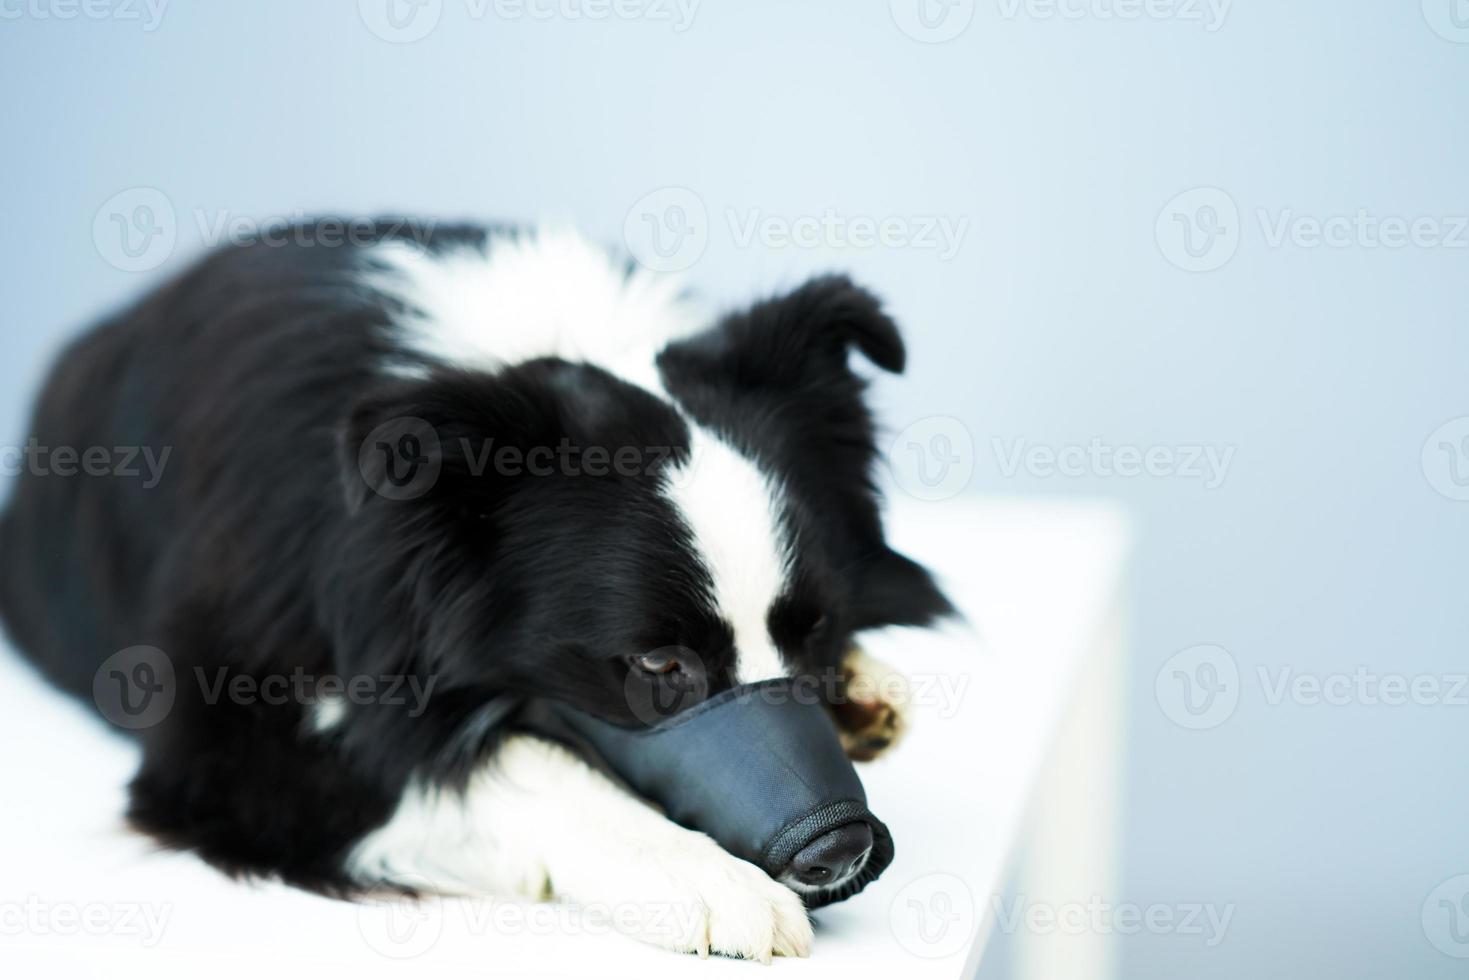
{"x":759,"y":768}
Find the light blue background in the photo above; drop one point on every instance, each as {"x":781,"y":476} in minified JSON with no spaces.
{"x":1060,"y":319}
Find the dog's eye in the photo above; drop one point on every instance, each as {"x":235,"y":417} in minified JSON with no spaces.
{"x":656,"y":663}
{"x":819,"y":625}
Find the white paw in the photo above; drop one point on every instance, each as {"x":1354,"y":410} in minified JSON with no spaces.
{"x":875,"y":711}
{"x":682,"y":891}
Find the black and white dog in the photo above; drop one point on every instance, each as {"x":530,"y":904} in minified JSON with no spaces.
{"x":468,"y":467}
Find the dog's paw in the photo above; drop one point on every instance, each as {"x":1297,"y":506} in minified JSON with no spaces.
{"x":692,"y":896}
{"x":873,"y":713}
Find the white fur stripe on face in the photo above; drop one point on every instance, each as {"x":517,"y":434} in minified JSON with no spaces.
{"x":734,"y":512}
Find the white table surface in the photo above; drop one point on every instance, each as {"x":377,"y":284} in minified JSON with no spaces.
{"x":80,"y":896}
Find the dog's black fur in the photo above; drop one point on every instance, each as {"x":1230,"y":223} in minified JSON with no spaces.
{"x":265,"y":548}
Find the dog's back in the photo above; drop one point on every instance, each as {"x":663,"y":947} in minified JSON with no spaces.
{"x":89,"y":552}
{"x":64,"y":540}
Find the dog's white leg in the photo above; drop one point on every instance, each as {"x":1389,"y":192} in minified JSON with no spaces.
{"x":539,"y":822}
{"x":875,"y":710}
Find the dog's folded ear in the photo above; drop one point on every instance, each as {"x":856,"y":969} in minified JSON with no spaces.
{"x":788,"y":339}
{"x":776,"y":377}
{"x":378,"y":429}
{"x":398,"y":440}
{"x":893,"y":590}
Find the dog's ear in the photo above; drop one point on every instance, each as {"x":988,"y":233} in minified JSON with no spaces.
{"x":896,"y":591}
{"x":394,"y":443}
{"x":792,"y":339}
{"x":426,"y":440}
{"x":777,"y":378}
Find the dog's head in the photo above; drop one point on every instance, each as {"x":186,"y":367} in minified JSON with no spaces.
{"x":551,"y":530}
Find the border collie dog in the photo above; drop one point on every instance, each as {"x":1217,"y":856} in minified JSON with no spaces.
{"x":417,"y":479}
